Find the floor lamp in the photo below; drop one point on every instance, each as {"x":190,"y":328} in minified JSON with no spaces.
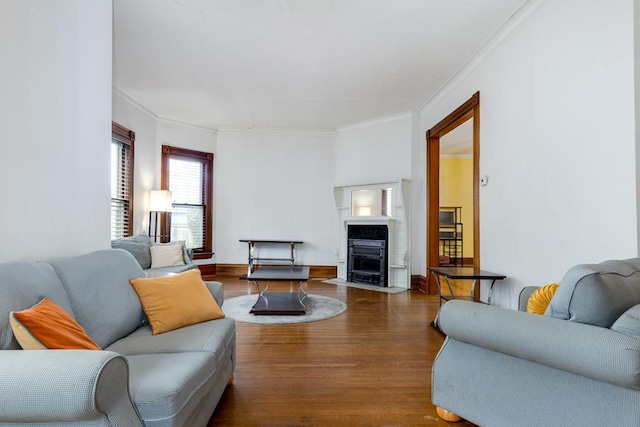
{"x":160,"y":202}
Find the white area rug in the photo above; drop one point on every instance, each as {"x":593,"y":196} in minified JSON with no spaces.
{"x":341,"y":282}
{"x":318,"y":308}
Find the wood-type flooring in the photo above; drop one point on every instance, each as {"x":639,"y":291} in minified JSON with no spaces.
{"x":370,"y":366}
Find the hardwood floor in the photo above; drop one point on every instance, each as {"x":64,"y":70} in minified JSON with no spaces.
{"x":370,"y":366}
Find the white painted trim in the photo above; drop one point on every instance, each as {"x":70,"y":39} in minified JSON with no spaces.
{"x":133,"y":101}
{"x":186,"y":124}
{"x":276,"y":131}
{"x":501,"y":34}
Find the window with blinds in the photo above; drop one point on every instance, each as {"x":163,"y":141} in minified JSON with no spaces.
{"x":188,"y":175}
{"x":122,"y":140}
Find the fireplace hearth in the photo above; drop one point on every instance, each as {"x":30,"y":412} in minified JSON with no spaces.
{"x":367,"y":254}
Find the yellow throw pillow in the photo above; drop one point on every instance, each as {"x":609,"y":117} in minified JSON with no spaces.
{"x":171,"y":302}
{"x":47,"y":326}
{"x":540,"y":298}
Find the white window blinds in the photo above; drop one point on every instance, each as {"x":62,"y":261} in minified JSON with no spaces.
{"x":187,"y":183}
{"x":120,"y":189}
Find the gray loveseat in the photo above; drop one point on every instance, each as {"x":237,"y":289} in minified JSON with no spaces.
{"x":171,"y":379}
{"x":140,"y":247}
{"x":578,"y":365}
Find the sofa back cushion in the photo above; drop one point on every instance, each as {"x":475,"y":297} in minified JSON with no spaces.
{"x":138,"y":246}
{"x":22,"y":285}
{"x":101,"y":297}
{"x":597,"y":294}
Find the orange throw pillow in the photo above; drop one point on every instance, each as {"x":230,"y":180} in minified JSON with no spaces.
{"x":171,"y":302}
{"x":47,"y":326}
{"x":540,"y":298}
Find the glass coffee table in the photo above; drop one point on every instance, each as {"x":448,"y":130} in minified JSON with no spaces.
{"x":287,"y":303}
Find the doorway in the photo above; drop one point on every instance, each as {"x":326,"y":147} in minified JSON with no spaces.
{"x":440,"y":139}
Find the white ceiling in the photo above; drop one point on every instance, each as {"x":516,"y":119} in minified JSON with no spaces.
{"x":294,"y":64}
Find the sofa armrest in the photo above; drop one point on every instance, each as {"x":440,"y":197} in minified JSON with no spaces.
{"x":217,"y":290}
{"x":524,"y":296}
{"x":65,"y":386}
{"x":590,"y":351}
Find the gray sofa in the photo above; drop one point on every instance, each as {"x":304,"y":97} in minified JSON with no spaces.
{"x":140,"y":247}
{"x":578,"y":365}
{"x":171,"y":379}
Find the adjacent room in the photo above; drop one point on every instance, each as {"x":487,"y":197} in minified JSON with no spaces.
{"x":319,"y":212}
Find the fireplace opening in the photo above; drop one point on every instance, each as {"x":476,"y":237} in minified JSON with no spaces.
{"x":367,"y":254}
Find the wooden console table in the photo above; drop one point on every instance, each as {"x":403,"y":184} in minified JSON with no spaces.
{"x":252,"y":259}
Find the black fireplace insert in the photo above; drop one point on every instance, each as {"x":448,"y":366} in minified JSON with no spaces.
{"x":367,"y":254}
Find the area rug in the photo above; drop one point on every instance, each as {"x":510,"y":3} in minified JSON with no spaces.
{"x":318,"y":308}
{"x":341,"y":282}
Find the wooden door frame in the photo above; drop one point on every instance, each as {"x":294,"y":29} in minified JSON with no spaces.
{"x":469,"y":109}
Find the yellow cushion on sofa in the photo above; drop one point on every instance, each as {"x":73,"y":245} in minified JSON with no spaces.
{"x":47,"y":326}
{"x":171,"y":302}
{"x":540,"y":299}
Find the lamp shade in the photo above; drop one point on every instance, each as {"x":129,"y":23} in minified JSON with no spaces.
{"x":160,"y":201}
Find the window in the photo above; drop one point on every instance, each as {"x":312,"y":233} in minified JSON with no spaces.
{"x":121,"y":181}
{"x":188,"y":174}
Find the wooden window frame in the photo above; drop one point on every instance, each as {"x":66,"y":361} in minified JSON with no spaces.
{"x":127,"y":137}
{"x":206,"y":159}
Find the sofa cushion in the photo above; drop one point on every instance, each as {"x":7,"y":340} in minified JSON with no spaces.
{"x":175,"y":301}
{"x":100,"y":294}
{"x":629,"y":322}
{"x":167,"y":399}
{"x":167,"y":255}
{"x":47,"y":326}
{"x":22,"y":285}
{"x":212,"y":336}
{"x":138,"y":246}
{"x":597,"y":294}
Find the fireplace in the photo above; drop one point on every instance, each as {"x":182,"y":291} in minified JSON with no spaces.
{"x":374,"y":233}
{"x":367,"y":254}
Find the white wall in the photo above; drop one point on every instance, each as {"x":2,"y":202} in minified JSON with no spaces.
{"x":275,"y":186}
{"x":556,"y":140}
{"x":384,"y":150}
{"x":374,"y":151}
{"x":55,"y":121}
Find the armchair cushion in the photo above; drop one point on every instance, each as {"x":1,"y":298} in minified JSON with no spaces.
{"x":597,"y":294}
{"x":629,"y":322}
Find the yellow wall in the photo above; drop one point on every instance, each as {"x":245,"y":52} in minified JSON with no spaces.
{"x":456,"y":189}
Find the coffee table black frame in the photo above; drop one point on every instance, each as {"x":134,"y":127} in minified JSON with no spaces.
{"x":284,"y":303}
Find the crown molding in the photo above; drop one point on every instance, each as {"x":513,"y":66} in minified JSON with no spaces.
{"x":277,"y":131}
{"x":493,"y":41}
{"x":130,"y":99}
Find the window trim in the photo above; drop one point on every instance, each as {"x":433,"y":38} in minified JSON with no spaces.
{"x":127,"y":137}
{"x":207,"y":160}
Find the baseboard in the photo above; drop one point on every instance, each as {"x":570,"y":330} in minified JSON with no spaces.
{"x":231,"y":269}
{"x":207,"y":270}
{"x":315,"y":271}
{"x":421,"y":283}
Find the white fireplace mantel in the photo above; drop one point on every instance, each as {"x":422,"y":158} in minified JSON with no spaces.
{"x":399,"y":258}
